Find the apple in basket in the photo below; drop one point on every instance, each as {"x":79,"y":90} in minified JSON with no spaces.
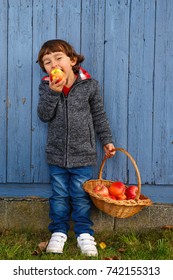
{"x":122,"y":197}
{"x":101,"y":189}
{"x":131,"y":192}
{"x":117,"y":189}
{"x":112,"y":197}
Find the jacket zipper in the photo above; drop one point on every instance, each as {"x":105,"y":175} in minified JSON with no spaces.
{"x":66,"y":107}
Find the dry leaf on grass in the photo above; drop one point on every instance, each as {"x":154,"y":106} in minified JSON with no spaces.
{"x":167,"y":227}
{"x":40,"y":248}
{"x":102,"y":245}
{"x":113,"y":258}
{"x":121,"y":250}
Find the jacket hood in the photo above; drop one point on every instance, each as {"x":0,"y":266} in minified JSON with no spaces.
{"x":84,"y":74}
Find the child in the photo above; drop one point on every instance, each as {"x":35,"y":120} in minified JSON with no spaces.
{"x":74,"y":111}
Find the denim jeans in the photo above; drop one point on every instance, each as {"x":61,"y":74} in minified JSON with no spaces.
{"x":69,"y":200}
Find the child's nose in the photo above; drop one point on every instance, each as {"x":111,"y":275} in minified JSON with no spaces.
{"x":54,"y":64}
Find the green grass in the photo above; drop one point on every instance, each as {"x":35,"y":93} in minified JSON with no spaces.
{"x":149,"y":245}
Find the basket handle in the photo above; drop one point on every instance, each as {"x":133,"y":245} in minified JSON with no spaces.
{"x":134,"y":164}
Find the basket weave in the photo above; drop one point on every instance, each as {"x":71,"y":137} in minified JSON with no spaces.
{"x":117,"y":208}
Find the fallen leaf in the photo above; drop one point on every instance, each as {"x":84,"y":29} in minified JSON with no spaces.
{"x":167,"y":227}
{"x":121,"y":250}
{"x":35,"y":253}
{"x":42,"y":245}
{"x":112,"y":258}
{"x":102,"y":245}
{"x":116,"y":258}
{"x":40,"y":248}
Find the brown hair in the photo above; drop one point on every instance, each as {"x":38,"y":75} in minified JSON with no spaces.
{"x":58,"y":45}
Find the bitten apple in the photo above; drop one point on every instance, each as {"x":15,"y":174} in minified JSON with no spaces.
{"x":116,"y":189}
{"x":101,"y":189}
{"x":131,"y":192}
{"x":56,"y":74}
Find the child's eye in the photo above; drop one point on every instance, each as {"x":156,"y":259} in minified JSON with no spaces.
{"x":46,"y":63}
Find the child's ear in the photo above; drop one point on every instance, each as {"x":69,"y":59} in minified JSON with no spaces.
{"x":73,"y":61}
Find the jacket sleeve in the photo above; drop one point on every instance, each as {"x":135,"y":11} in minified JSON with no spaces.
{"x":48,"y":101}
{"x":100,"y":121}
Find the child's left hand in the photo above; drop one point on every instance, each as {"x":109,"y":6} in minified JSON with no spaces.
{"x":109,"y":150}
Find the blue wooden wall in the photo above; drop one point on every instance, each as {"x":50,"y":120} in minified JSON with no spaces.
{"x":128,"y":45}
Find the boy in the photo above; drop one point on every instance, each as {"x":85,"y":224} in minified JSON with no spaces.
{"x":74,"y":111}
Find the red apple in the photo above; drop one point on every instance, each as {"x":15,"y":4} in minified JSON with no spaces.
{"x":101,"y":189}
{"x":56,"y":74}
{"x":131,"y":192}
{"x":112,"y":197}
{"x":117,"y":188}
{"x":122,"y":197}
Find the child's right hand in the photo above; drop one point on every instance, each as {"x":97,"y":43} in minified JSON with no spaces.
{"x":57,"y":86}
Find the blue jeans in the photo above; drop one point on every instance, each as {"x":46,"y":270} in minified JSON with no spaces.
{"x":69,"y":200}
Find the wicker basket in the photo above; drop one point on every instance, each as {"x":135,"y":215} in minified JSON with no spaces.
{"x":117,"y":208}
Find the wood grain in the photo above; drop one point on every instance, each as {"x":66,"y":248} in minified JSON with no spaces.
{"x":128,"y":48}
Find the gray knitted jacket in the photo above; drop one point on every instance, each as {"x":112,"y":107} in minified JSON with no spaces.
{"x":73,"y":122}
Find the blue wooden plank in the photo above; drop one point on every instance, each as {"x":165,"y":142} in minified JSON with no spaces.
{"x":158,"y":193}
{"x":69,"y":21}
{"x":25,"y":190}
{"x":92,"y":47}
{"x":154,"y":192}
{"x":141,"y":68}
{"x":19,"y":90}
{"x":116,"y":80}
{"x":163,"y":89}
{"x":43,"y":30}
{"x":3,"y":91}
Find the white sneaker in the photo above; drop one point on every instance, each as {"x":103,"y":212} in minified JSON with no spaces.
{"x":87,"y":243}
{"x":56,"y":243}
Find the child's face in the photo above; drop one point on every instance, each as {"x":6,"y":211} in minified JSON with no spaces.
{"x":58,"y":60}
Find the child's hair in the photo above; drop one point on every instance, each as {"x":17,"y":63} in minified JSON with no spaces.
{"x":58,"y":45}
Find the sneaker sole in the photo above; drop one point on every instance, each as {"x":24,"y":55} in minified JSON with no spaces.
{"x":53,"y":251}
{"x":94,"y":254}
{"x":90,"y":255}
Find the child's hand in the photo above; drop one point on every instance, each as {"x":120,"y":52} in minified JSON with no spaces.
{"x":57,"y":86}
{"x":109,"y":150}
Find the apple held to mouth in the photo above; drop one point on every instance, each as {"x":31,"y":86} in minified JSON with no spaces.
{"x":117,"y":189}
{"x":56,"y":74}
{"x":131,"y":192}
{"x":101,"y":189}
